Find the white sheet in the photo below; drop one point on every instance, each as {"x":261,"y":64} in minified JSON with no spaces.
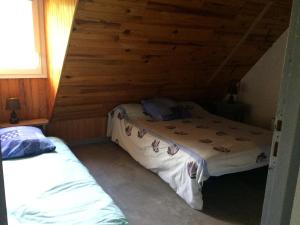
{"x":55,"y":188}
{"x":149,"y":143}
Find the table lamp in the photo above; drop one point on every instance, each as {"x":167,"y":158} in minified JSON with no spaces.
{"x":233,"y":91}
{"x":13,"y":104}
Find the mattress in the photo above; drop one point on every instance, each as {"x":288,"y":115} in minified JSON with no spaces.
{"x":185,"y":153}
{"x":55,"y":188}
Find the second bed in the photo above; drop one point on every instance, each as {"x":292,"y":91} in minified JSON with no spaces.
{"x":186,"y":152}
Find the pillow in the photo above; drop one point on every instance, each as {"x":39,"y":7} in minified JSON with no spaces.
{"x":181,"y":112}
{"x":193,"y":109}
{"x":164,"y":109}
{"x":16,"y":142}
{"x":132,"y":110}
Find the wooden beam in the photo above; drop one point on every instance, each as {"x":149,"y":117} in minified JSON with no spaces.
{"x":241,"y":41}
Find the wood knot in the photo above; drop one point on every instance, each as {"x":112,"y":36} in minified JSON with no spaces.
{"x":127,"y":31}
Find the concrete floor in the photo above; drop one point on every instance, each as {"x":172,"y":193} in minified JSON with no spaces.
{"x":147,"y":200}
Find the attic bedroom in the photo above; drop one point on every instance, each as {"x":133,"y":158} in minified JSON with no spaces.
{"x":149,"y":112}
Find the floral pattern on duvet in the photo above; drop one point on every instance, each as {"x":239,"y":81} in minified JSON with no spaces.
{"x":192,"y":168}
{"x":242,"y":139}
{"x":121,"y":116}
{"x":209,"y":131}
{"x":128,"y":130}
{"x":221,"y":149}
{"x":207,"y":125}
{"x":206,"y":141}
{"x":180,"y":132}
{"x":221,"y":133}
{"x":173,"y":149}
{"x":261,"y":158}
{"x":155,"y":145}
{"x":170,"y":127}
{"x":141,"y":133}
{"x":112,"y":113}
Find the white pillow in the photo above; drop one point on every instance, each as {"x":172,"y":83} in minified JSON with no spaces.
{"x":133,"y":109}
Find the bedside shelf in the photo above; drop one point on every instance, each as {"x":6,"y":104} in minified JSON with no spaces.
{"x":35,"y":123}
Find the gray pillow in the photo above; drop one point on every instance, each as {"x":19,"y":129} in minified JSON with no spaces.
{"x":164,"y":109}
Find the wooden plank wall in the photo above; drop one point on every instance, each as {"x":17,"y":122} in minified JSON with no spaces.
{"x":124,"y":51}
{"x":32,"y":94}
{"x":77,"y":130}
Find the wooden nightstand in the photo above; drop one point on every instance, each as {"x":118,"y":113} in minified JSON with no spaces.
{"x":233,"y":111}
{"x":42,"y":123}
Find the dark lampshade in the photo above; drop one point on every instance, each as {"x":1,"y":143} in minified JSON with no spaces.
{"x":12,"y":104}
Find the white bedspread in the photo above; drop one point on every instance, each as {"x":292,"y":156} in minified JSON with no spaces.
{"x":184,"y":153}
{"x":55,"y":188}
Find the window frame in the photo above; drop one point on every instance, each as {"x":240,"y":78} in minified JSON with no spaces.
{"x":39,"y":34}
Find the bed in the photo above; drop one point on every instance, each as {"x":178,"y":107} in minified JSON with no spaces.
{"x":55,"y":188}
{"x":186,"y":152}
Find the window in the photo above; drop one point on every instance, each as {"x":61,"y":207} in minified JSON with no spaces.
{"x":22,"y":47}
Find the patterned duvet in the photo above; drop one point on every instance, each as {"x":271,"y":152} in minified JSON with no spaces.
{"x":186,"y":152}
{"x":55,"y":188}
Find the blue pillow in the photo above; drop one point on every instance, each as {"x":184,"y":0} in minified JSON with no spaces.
{"x":16,"y":142}
{"x":163,"y":109}
{"x":180,"y":112}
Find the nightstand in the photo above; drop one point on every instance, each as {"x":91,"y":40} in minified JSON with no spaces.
{"x":233,"y":111}
{"x":41,"y":123}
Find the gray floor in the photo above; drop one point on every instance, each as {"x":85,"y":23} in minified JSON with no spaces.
{"x":146,"y":200}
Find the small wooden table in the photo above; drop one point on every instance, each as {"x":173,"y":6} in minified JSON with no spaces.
{"x":35,"y":123}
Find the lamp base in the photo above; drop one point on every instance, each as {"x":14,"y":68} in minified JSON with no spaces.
{"x":13,"y":118}
{"x":232,"y":99}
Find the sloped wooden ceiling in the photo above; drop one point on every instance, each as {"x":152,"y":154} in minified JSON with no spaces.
{"x":126,"y":50}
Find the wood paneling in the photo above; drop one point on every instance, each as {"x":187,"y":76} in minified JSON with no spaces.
{"x":32,"y":94}
{"x":124,"y":51}
{"x":59,"y":16}
{"x":74,"y":131}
